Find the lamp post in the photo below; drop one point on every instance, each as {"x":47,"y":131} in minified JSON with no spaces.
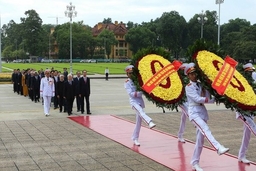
{"x":0,"y":45}
{"x":219,"y":2}
{"x":16,"y":48}
{"x":202,"y":19}
{"x":70,"y":13}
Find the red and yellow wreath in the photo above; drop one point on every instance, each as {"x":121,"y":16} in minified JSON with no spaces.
{"x":238,"y":94}
{"x":151,"y":65}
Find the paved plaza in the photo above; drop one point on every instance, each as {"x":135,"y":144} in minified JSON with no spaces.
{"x":31,"y":141}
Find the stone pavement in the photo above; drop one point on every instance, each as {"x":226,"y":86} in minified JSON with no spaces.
{"x":31,"y":141}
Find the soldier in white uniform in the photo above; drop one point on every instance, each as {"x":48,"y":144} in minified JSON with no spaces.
{"x":47,"y":91}
{"x":197,"y":112}
{"x":183,"y":118}
{"x":249,"y":124}
{"x":184,"y":115}
{"x":137,"y":104}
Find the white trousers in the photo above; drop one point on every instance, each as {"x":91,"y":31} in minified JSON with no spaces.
{"x":201,"y":132}
{"x":183,"y":118}
{"x":249,"y":126}
{"x":47,"y":103}
{"x":140,"y":115}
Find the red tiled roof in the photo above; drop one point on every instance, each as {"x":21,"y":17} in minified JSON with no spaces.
{"x":118,"y":29}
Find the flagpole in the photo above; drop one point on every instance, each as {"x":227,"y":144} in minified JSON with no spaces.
{"x":219,"y":2}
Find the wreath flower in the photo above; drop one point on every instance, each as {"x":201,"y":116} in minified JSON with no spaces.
{"x":239,"y":94}
{"x":170,"y":92}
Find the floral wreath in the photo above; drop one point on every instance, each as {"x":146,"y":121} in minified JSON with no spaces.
{"x":239,"y":93}
{"x":170,"y":92}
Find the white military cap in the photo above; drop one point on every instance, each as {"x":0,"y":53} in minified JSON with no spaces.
{"x":189,"y":68}
{"x":248,"y":67}
{"x":183,"y":66}
{"x":128,"y":68}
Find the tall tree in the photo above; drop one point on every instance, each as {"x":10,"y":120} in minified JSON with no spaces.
{"x":107,"y":21}
{"x":139,"y":38}
{"x":32,"y":29}
{"x":172,"y":29}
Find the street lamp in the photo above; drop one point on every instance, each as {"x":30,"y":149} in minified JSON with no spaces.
{"x":202,"y":19}
{"x":70,"y":13}
{"x":219,"y":2}
{"x":16,"y":48}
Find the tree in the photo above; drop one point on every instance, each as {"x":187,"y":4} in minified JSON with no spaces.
{"x":130,"y":25}
{"x":108,"y":39}
{"x":139,"y":38}
{"x":31,"y":32}
{"x":107,"y":21}
{"x":172,"y":29}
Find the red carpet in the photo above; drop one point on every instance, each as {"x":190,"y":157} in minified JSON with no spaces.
{"x":160,"y":147}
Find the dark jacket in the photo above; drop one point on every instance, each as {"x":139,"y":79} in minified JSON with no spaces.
{"x":69,"y":90}
{"x":84,"y":87}
{"x":60,"y":88}
{"x":35,"y":83}
{"x":76,"y":82}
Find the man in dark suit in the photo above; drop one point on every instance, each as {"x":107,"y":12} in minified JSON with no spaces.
{"x":56,"y":80}
{"x":78,"y":98}
{"x":65,"y":73}
{"x":84,"y":92}
{"x":69,"y":93}
{"x":35,"y":86}
{"x":18,"y":81}
{"x":14,"y":80}
{"x":60,"y":91}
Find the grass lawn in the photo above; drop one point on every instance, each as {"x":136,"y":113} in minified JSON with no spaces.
{"x":98,"y":68}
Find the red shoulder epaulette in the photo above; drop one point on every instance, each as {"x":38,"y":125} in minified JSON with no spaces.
{"x":189,"y":84}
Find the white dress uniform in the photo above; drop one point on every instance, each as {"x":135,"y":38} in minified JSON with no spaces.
{"x":47,"y":90}
{"x":198,"y":114}
{"x":184,"y":114}
{"x":137,"y":104}
{"x":183,"y":118}
{"x":249,"y":124}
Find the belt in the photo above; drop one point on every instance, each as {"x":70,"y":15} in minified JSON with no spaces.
{"x":195,"y":104}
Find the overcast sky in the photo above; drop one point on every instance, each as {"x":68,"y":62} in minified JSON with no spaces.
{"x":94,"y":11}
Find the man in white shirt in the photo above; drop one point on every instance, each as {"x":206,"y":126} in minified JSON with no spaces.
{"x":106,"y":73}
{"x":47,"y":91}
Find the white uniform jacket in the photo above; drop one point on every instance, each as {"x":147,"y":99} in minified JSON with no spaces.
{"x":47,"y":87}
{"x":196,"y":100}
{"x":135,"y":96}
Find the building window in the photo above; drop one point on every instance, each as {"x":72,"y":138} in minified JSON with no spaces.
{"x":116,"y":52}
{"x":121,"y":44}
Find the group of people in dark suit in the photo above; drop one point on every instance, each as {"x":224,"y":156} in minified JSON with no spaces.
{"x":67,"y":88}
{"x":74,"y":88}
{"x":27,"y":83}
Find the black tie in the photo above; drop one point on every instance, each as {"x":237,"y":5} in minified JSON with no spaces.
{"x":198,"y":85}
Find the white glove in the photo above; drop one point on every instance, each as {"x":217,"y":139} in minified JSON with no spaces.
{"x":139,"y":93}
{"x":212,"y":100}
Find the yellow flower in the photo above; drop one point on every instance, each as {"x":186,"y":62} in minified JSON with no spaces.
{"x":169,"y":90}
{"x":239,"y":90}
{"x":5,"y":75}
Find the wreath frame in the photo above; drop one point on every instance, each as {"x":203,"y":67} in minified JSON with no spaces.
{"x":173,"y":105}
